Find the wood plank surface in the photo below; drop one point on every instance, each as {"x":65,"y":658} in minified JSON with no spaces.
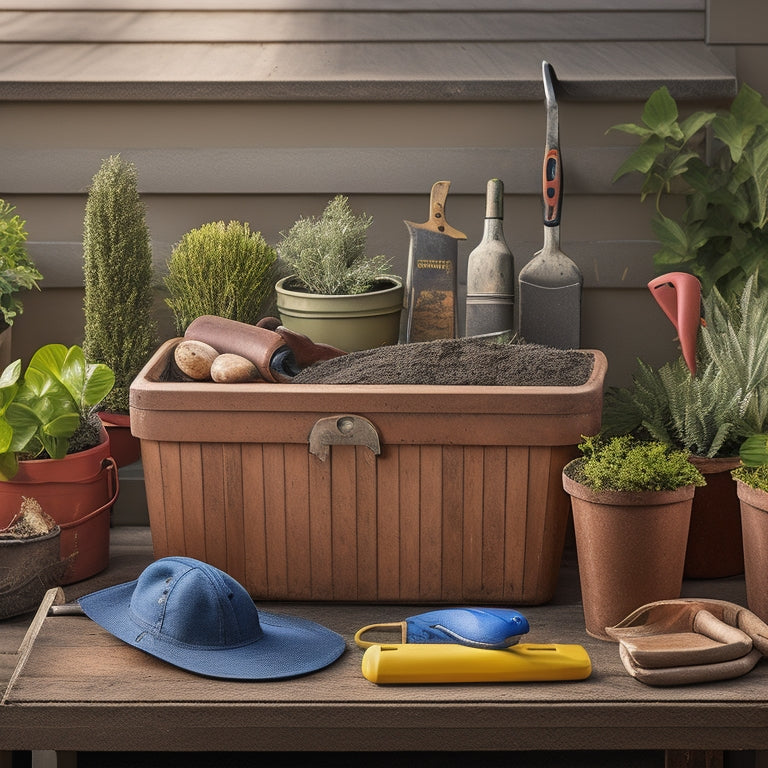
{"x":82,"y":689}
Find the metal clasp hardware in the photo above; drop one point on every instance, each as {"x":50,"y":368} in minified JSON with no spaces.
{"x":342,"y":430}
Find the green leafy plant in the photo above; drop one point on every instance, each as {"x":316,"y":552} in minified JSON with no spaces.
{"x":120,"y":330}
{"x":711,"y":413}
{"x":17,"y":270}
{"x":721,"y":236}
{"x":220,"y":269}
{"x":624,"y":463}
{"x":754,"y":450}
{"x":753,"y":469}
{"x":327,"y":255}
{"x":50,"y":410}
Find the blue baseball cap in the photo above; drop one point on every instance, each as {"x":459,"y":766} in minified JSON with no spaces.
{"x":199,"y":618}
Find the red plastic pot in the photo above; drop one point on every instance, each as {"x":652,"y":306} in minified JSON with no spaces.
{"x":78,"y":492}
{"x":124,"y":447}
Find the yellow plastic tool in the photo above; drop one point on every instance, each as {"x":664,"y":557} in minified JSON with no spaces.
{"x":448,"y":663}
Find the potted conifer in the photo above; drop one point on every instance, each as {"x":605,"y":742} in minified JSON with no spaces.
{"x":334,"y":292}
{"x":120,"y":330}
{"x":219,"y":269}
{"x":631,"y":502}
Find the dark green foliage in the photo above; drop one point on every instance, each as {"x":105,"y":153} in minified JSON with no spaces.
{"x":220,"y":269}
{"x":709,"y":414}
{"x":16,"y":268}
{"x":722,"y":235}
{"x":117,"y":257}
{"x":626,"y":464}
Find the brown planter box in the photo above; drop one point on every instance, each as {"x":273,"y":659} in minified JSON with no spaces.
{"x":464,"y":502}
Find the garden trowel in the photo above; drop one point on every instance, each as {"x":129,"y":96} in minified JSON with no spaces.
{"x":475,"y":627}
{"x":430,"y":295}
{"x":550,"y":284}
{"x":679,"y":296}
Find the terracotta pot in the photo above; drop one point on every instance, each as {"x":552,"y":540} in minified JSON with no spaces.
{"x":124,"y":447}
{"x":630,"y":549}
{"x":715,"y":539}
{"x":78,"y":492}
{"x":351,"y":323}
{"x":754,"y":522}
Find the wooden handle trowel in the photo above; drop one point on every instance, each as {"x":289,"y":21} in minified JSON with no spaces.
{"x":430,"y":295}
{"x":550,"y":283}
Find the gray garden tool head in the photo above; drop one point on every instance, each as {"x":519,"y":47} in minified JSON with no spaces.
{"x":550,"y":284}
{"x":430,"y":291}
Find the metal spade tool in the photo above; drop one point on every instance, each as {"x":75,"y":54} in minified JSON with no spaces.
{"x":550,"y":284}
{"x":430,"y":293}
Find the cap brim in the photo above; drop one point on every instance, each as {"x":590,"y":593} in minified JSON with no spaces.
{"x":289,"y":646}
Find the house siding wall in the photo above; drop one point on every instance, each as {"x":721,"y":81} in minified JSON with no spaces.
{"x":457,"y":96}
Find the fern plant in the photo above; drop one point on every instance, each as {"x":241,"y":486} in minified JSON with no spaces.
{"x":220,"y":269}
{"x":722,"y":234}
{"x":17,"y":271}
{"x":327,"y":255}
{"x":709,"y":414}
{"x":120,"y":330}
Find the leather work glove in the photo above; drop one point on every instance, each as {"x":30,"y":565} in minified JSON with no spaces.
{"x":690,"y":640}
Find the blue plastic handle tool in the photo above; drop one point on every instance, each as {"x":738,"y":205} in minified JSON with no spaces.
{"x":475,"y":627}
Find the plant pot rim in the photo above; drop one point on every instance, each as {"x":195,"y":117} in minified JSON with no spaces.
{"x":74,"y":467}
{"x":395,"y":283}
{"x":757,"y":497}
{"x":707,"y":465}
{"x":55,"y":531}
{"x":115,"y":418}
{"x":625,"y":498}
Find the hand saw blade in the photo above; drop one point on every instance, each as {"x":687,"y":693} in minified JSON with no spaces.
{"x":432,"y":267}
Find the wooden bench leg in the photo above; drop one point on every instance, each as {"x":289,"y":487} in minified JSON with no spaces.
{"x":693,"y":758}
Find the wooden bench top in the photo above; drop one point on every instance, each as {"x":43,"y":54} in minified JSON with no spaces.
{"x":75,"y":687}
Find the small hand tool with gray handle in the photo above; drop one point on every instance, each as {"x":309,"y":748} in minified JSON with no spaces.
{"x":550,"y":284}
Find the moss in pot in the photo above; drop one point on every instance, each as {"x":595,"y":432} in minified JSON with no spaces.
{"x":631,"y":502}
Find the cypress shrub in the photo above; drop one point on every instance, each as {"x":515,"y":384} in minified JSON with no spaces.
{"x":120,"y":330}
{"x":220,"y":269}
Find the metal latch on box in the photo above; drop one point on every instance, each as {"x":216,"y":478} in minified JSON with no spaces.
{"x":342,"y":430}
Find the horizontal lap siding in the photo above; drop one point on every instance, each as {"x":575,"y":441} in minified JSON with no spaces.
{"x":105,"y":26}
{"x":260,"y":111}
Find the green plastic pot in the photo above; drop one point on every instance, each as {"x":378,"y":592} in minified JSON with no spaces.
{"x":348,"y":322}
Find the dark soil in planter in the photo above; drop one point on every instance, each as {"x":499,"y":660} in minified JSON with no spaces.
{"x":466,"y":361}
{"x":381,"y":284}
